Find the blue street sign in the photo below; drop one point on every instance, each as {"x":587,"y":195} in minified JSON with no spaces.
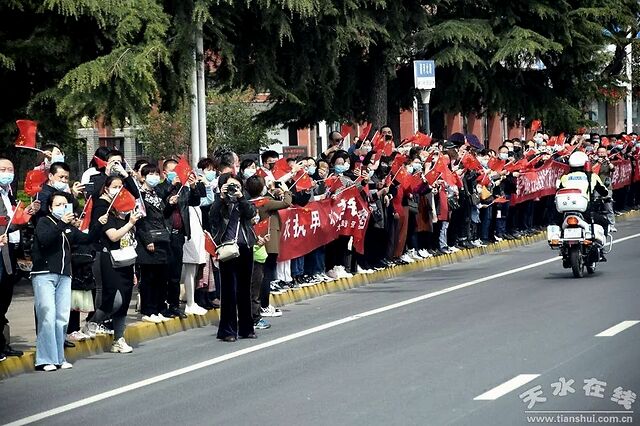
{"x":424,"y":74}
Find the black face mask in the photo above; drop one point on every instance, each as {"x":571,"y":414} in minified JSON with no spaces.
{"x":388,"y":138}
{"x":511,"y":153}
{"x":383,"y":170}
{"x":517,"y":149}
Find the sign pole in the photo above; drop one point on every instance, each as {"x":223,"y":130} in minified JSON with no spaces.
{"x":424,"y":78}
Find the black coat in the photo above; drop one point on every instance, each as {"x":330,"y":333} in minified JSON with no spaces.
{"x":187,"y":198}
{"x":157,"y":218}
{"x":220,"y":213}
{"x":51,"y":251}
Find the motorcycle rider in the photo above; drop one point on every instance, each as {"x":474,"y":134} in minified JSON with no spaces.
{"x":588,"y":183}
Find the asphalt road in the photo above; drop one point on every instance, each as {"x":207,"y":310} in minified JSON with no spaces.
{"x":432,"y":348}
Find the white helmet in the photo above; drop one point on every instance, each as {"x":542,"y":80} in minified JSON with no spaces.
{"x":578,"y":159}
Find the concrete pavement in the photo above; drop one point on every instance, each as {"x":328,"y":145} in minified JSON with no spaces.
{"x":411,"y":350}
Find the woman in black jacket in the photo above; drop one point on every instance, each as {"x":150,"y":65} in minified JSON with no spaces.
{"x":231,"y":219}
{"x":51,"y":279}
{"x":153,"y":249}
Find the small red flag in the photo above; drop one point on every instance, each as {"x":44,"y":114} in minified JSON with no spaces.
{"x":432,"y":176}
{"x":20,"y":216}
{"x":345,"y":130}
{"x":261,"y":172}
{"x":86,"y":215}
{"x":535,"y":125}
{"x":280,"y":168}
{"x":34,"y":181}
{"x":377,"y":142}
{"x":259,"y":202}
{"x":398,"y":162}
{"x":496,"y":164}
{"x":596,"y":169}
{"x":483,"y":180}
{"x":100,"y":163}
{"x":27,"y":136}
{"x":261,"y":228}
{"x":124,"y":201}
{"x":470,"y":162}
{"x":209,"y":245}
{"x":517,"y":166}
{"x":183,"y":169}
{"x":420,"y":139}
{"x":302,"y":181}
{"x":416,"y":181}
{"x":500,"y":200}
{"x":364,"y":132}
{"x":333,"y":183}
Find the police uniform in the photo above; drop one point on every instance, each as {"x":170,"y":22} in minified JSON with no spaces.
{"x":587,"y":184}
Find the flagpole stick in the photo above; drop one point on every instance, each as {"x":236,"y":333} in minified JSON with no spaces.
{"x":6,"y":231}
{"x":28,"y":147}
{"x":84,"y":209}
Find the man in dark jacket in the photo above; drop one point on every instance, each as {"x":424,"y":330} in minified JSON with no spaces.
{"x":187,"y":195}
{"x":58,"y":181}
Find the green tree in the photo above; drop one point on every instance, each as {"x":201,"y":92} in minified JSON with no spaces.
{"x":166,"y":134}
{"x":231,"y":123}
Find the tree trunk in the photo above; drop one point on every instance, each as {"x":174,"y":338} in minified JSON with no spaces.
{"x":378,"y":98}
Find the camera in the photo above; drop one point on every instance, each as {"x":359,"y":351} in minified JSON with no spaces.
{"x":232,"y":188}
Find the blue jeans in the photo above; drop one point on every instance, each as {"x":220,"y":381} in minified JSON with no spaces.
{"x":52,"y":299}
{"x":314,"y":262}
{"x":486,"y":215}
{"x":297,"y":266}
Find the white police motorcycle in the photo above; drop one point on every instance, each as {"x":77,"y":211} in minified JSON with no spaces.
{"x":579,"y":240}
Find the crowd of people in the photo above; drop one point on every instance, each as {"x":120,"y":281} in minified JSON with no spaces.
{"x":157,"y":227}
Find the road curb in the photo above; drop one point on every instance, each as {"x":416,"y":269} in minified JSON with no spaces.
{"x":140,"y":332}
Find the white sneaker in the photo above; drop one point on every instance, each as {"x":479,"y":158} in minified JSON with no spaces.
{"x":479,"y":243}
{"x":498,"y":239}
{"x":454,"y":249}
{"x":425,"y":254}
{"x":333,"y":273}
{"x":343,"y":272}
{"x":414,"y":255}
{"x":90,"y":329}
{"x":101,"y":329}
{"x":162,"y":318}
{"x":406,"y":258}
{"x":120,"y":346}
{"x":77,"y":336}
{"x":613,"y":228}
{"x":152,"y":319}
{"x":195,"y":310}
{"x":49,"y":367}
{"x":66,"y":366}
{"x":275,"y":312}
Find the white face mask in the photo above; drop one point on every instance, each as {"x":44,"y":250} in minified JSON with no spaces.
{"x":113,"y":192}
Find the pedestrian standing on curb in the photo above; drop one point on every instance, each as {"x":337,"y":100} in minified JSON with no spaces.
{"x":231,"y":219}
{"x":51,"y":279}
{"x":117,"y":233}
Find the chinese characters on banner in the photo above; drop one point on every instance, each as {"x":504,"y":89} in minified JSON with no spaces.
{"x":318,"y":223}
{"x":621,"y":175}
{"x":539,"y":182}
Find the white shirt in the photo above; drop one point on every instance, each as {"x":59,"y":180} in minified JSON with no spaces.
{"x":14,"y":237}
{"x":86,"y":176}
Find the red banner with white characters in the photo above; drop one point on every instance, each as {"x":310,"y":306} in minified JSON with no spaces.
{"x":304,"y":229}
{"x":540,"y":182}
{"x":636,"y":168}
{"x":621,"y":174}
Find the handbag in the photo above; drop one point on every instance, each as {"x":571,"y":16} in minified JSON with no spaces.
{"x":160,"y":235}
{"x":230,"y":249}
{"x":123,"y":257}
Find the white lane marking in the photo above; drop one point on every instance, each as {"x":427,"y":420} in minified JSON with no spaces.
{"x":213,"y":361}
{"x":506,"y":387}
{"x":612,"y":331}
